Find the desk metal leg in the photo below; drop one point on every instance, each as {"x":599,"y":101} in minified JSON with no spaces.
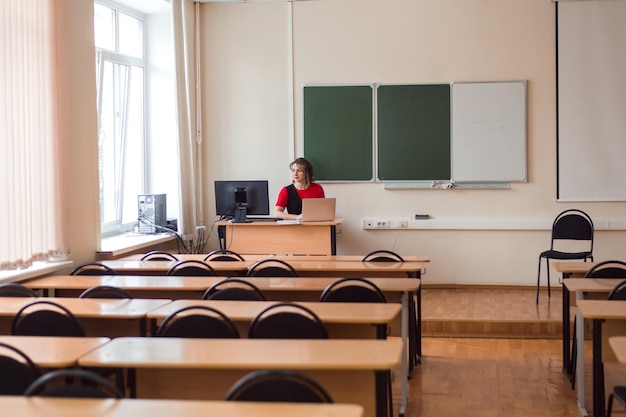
{"x":598,"y":370}
{"x":580,"y":361}
{"x":404,"y":375}
{"x":333,"y":240}
{"x":566,"y":336}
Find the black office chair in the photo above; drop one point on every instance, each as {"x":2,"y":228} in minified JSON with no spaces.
{"x":92,"y":268}
{"x":382,"y":256}
{"x":287,"y":321}
{"x":56,"y":320}
{"x":569,"y":226}
{"x":223,"y":255}
{"x":16,"y":375}
{"x":272,"y":268}
{"x":192,"y":268}
{"x":233,"y":289}
{"x":73,"y":383}
{"x":105,"y":291}
{"x":159,"y":255}
{"x":278,"y":386}
{"x":13,"y":289}
{"x":207,"y":322}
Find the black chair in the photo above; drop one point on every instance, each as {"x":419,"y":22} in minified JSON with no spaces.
{"x":618,"y":292}
{"x":233,"y":289}
{"x":13,"y":289}
{"x":287,"y":321}
{"x":272,"y":268}
{"x":73,"y":383}
{"x":382,"y":256}
{"x":105,"y":291}
{"x":53,"y":321}
{"x":223,"y":255}
{"x":16,"y":375}
{"x":159,"y":255}
{"x":92,"y":268}
{"x":278,"y":386}
{"x":207,"y":322}
{"x":569,"y":226}
{"x":618,"y":393}
{"x":192,"y":268}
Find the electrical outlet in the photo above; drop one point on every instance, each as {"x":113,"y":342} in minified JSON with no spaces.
{"x":376,"y":223}
{"x":403,"y":224}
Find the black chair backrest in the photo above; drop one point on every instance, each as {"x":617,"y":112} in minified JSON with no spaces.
{"x":105,"y":291}
{"x":278,"y":386}
{"x":223,"y":255}
{"x":13,"y":289}
{"x":73,"y":383}
{"x":272,"y":268}
{"x":208,"y":323}
{"x":159,"y":255}
{"x":58,"y":321}
{"x":233,"y":289}
{"x":382,"y":256}
{"x":618,"y":292}
{"x":573,"y":224}
{"x":607,"y":269}
{"x":353,"y":290}
{"x":16,"y":375}
{"x":287,"y":321}
{"x":192,"y":268}
{"x":92,"y":268}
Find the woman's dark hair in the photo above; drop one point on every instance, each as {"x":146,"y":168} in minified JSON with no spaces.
{"x":304,"y":165}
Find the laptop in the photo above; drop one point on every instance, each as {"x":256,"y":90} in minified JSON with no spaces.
{"x":318,"y":209}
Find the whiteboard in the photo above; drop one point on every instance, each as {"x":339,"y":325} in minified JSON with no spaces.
{"x":488,"y":141}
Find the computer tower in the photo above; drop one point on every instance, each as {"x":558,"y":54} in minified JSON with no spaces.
{"x":152,"y":213}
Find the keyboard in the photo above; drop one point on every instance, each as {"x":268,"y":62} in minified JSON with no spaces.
{"x":263,"y":219}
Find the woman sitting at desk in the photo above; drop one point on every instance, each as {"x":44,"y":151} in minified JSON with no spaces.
{"x":290,"y":197}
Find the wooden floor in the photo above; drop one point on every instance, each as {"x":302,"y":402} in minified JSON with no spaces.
{"x":485,"y":370}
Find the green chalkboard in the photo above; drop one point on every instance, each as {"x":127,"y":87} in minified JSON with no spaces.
{"x":413,"y":132}
{"x":338,"y":132}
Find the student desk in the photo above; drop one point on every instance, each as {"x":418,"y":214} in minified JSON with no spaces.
{"x":599,"y":311}
{"x":571,"y":269}
{"x":287,"y":258}
{"x":312,"y":238}
{"x":207,"y":368}
{"x":618,"y":344}
{"x":53,"y":352}
{"x":99,"y":316}
{"x":82,"y":407}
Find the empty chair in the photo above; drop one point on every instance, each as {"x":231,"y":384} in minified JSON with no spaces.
{"x":353,"y":289}
{"x":272,"y":268}
{"x":233,"y":289}
{"x":618,"y":292}
{"x":205,"y":322}
{"x":92,"y":268}
{"x":55,"y":320}
{"x":192,"y":268}
{"x":16,"y":374}
{"x":382,"y":256}
{"x":223,"y":255}
{"x":13,"y":289}
{"x":105,"y":291}
{"x":73,"y":383}
{"x":159,"y":255}
{"x":287,"y":321}
{"x":569,"y":226}
{"x":278,"y":386}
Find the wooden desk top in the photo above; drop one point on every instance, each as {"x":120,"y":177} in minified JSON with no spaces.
{"x":164,"y":282}
{"x":602,"y":309}
{"x":618,"y":344}
{"x":287,"y":258}
{"x":572,"y":267}
{"x":53,"y":352}
{"x":276,"y":224}
{"x":87,"y":307}
{"x":81,"y":407}
{"x":354,"y":313}
{"x":591,"y":284}
{"x":328,"y":354}
{"x":163,"y":266}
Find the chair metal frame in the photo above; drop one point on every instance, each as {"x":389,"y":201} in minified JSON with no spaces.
{"x":159,"y":255}
{"x":223,"y":255}
{"x":97,"y":385}
{"x":243,"y":291}
{"x":285,"y":310}
{"x":277,"y":267}
{"x":92,"y":268}
{"x":210,"y":313}
{"x":13,"y":289}
{"x":64,"y":312}
{"x":26,"y":365}
{"x":192,"y":267}
{"x":106,"y":291}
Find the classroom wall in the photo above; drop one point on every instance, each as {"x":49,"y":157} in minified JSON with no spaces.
{"x":253,"y":72}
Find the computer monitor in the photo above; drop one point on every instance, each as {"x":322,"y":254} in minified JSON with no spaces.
{"x":239,"y":198}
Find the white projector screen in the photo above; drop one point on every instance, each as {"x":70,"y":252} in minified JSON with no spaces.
{"x":591,"y":60}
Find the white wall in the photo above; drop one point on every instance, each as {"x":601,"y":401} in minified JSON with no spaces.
{"x":246,"y":115}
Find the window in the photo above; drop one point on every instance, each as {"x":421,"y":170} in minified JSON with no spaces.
{"x":120,"y":68}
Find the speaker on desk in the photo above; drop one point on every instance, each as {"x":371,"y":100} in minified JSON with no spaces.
{"x":152,"y":213}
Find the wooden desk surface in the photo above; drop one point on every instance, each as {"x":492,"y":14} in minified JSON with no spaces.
{"x":81,"y":407}
{"x":335,"y":222}
{"x":602,"y":309}
{"x":591,"y":284}
{"x":53,"y":352}
{"x":573,"y":267}
{"x":330,"y":354}
{"x":130,"y":266}
{"x":618,"y":344}
{"x":287,"y":258}
{"x":354,"y":313}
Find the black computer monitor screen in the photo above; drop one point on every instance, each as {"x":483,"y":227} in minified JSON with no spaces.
{"x":238,"y":199}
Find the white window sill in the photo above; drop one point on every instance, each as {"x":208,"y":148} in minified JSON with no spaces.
{"x":38,"y":269}
{"x":115,"y":246}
